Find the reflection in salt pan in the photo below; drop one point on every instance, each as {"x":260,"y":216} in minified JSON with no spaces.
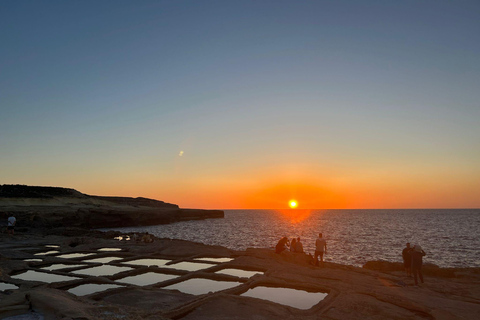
{"x":31,"y":275}
{"x":148,"y":262}
{"x":103,"y":260}
{"x":189,"y":266}
{"x":291,"y":297}
{"x":147,"y":279}
{"x":239,"y":273}
{"x":61,"y":266}
{"x":75,"y":255}
{"x":89,"y":288}
{"x":219,"y":260}
{"x":7,"y":286}
{"x":202,"y":286}
{"x":45,"y":253}
{"x":103,"y":270}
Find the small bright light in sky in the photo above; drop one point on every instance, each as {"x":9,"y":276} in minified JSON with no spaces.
{"x":293,"y":204}
{"x":181,"y":153}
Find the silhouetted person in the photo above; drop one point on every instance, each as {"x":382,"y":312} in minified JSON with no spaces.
{"x":281,"y":245}
{"x":417,"y":254}
{"x":292,"y":245}
{"x":407,"y":259}
{"x":11,"y":222}
{"x":298,"y":246}
{"x":320,"y":249}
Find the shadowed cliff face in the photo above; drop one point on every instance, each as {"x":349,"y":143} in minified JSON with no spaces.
{"x":47,"y":207}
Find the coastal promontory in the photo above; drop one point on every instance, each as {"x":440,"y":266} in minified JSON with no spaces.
{"x":54,"y":207}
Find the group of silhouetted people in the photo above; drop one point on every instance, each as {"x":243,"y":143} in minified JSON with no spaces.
{"x":296,"y":246}
{"x":413,"y":261}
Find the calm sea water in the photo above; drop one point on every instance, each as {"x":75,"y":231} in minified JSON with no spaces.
{"x":449,"y":237}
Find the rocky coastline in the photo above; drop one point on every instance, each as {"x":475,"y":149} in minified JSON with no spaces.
{"x":55,"y":271}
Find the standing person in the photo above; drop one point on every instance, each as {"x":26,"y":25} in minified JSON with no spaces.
{"x":320,"y":249}
{"x":299,"y":246}
{"x":407,"y":259}
{"x":11,"y":225}
{"x":417,"y":254}
{"x":292,"y":245}
{"x":281,"y":245}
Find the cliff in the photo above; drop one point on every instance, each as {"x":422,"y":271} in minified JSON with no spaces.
{"x":50,"y":207}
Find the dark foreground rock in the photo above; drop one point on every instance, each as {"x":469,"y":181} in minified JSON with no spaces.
{"x":53,"y":207}
{"x":353,"y":293}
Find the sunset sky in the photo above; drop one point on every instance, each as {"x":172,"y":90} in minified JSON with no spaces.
{"x":244,"y":104}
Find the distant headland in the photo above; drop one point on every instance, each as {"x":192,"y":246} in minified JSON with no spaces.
{"x":39,"y":206}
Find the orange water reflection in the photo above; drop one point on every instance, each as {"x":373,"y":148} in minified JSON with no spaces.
{"x":296,"y":215}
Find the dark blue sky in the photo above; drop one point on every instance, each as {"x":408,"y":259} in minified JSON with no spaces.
{"x":98,"y":95}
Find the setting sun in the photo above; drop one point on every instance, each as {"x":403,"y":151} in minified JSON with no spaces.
{"x":293,"y":204}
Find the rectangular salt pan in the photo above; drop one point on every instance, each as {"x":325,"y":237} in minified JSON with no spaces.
{"x":189,"y":266}
{"x":103,"y":270}
{"x":31,"y":275}
{"x":7,"y":286}
{"x":147,"y":279}
{"x":109,"y":249}
{"x":59,"y":266}
{"x":202,"y":286}
{"x":218,"y":260}
{"x":148,"y":262}
{"x":239,"y":273}
{"x":299,"y":299}
{"x":75,"y":255}
{"x":89,"y":288}
{"x":103,"y":260}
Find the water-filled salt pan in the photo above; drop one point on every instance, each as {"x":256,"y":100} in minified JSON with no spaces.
{"x":31,"y":275}
{"x":103,"y":260}
{"x":7,"y":286}
{"x":52,"y":246}
{"x":32,"y":260}
{"x":202,"y":286}
{"x":219,"y":260}
{"x":75,"y":255}
{"x":45,"y":253}
{"x":239,"y":273}
{"x":299,"y":299}
{"x":109,"y":249}
{"x":103,"y":270}
{"x":189,"y":266}
{"x":89,"y":288}
{"x":58,"y":266}
{"x":148,"y":262}
{"x":147,"y":279}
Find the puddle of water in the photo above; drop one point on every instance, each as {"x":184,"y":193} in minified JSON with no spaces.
{"x":45,"y":253}
{"x":103,"y":260}
{"x":31,"y":275}
{"x":239,"y":273}
{"x":109,"y":249}
{"x":202,"y":286}
{"x":146,"y":279}
{"x":61,"y":266}
{"x":103,"y":270}
{"x":75,"y":255}
{"x":299,"y":299}
{"x":89,"y":288}
{"x":32,"y":260}
{"x":52,"y":246}
{"x":218,"y":260}
{"x":149,"y":262}
{"x":189,"y":266}
{"x":7,"y":286}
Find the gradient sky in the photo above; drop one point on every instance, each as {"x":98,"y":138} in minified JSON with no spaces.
{"x":244,"y":104}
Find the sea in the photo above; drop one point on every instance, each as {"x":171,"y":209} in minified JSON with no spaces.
{"x":450,"y":237}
